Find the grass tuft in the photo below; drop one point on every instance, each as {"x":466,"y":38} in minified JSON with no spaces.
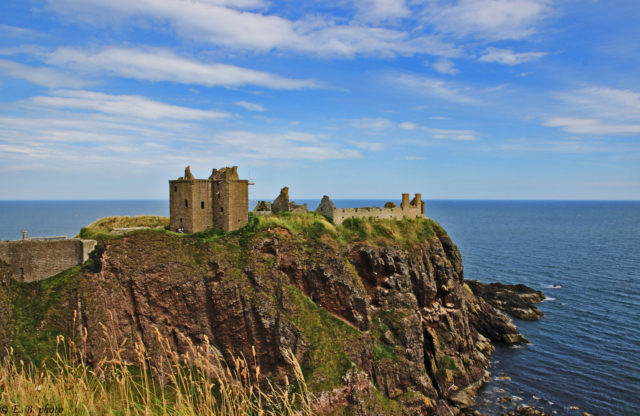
{"x":196,"y":382}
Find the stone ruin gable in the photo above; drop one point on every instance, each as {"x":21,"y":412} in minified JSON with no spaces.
{"x":221,"y":201}
{"x":282,"y":203}
{"x":225,"y":174}
{"x":33,"y":260}
{"x":262,"y":208}
{"x":413,"y":209}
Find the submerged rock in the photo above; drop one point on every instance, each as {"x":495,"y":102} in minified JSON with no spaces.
{"x":516,"y":300}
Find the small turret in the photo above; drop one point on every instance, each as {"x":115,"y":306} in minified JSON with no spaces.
{"x":405,"y":201}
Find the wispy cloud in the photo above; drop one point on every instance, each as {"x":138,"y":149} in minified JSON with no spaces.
{"x":434,"y":87}
{"x":604,"y":102}
{"x":568,"y":145}
{"x":598,"y":111}
{"x":164,"y":65}
{"x":45,"y":76}
{"x":445,"y":66}
{"x":240,"y":26}
{"x":291,"y":146}
{"x":250,"y":106}
{"x":380,"y":10}
{"x":122,"y":105}
{"x":89,"y":129}
{"x":508,"y":57}
{"x":408,"y":125}
{"x":591,"y":126}
{"x":371,"y":146}
{"x":489,"y":19}
{"x":371,"y":123}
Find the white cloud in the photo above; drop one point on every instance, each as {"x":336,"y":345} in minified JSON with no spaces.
{"x":408,"y":125}
{"x":164,"y":65}
{"x":591,"y":126}
{"x":213,"y":23}
{"x":604,"y":102}
{"x":122,"y":105}
{"x":451,"y":134}
{"x":371,"y":146}
{"x":380,"y":10}
{"x":291,"y":145}
{"x":508,"y":57}
{"x":569,"y":145}
{"x":434,"y":87}
{"x":371,"y":123}
{"x":47,"y":77}
{"x":250,"y":106}
{"x":489,"y":19}
{"x":598,"y":111}
{"x":414,"y":158}
{"x":80,"y":130}
{"x":445,"y":66}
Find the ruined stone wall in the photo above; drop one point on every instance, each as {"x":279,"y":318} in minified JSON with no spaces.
{"x":413,"y":209}
{"x":190,"y":205}
{"x":37,"y":260}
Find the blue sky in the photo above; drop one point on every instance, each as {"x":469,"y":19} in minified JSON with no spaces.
{"x":468,"y":99}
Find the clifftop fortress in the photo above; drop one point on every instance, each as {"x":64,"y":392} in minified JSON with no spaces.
{"x":222,"y":202}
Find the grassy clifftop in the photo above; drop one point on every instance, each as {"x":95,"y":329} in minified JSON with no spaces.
{"x":102,"y":228}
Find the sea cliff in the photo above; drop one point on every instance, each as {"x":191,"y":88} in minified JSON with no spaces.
{"x":377,"y":312}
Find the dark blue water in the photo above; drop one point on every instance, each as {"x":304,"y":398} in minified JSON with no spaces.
{"x":585,"y":351}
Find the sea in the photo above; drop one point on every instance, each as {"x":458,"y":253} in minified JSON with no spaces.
{"x":584,"y":354}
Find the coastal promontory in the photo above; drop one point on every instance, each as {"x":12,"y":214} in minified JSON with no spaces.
{"x":377,"y":312}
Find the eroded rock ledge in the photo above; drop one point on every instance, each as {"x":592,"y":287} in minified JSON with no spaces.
{"x":516,"y":300}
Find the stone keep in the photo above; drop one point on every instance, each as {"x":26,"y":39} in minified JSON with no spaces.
{"x":222,"y":201}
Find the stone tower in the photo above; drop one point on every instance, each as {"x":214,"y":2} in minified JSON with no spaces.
{"x":222,"y":201}
{"x":230,"y":199}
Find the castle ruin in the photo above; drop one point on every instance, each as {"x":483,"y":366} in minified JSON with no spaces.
{"x":221,"y":201}
{"x":407,"y":209}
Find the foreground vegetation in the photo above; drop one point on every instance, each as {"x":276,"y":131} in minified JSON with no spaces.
{"x":198,"y":382}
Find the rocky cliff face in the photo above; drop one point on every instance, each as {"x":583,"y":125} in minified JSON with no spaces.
{"x":380,"y":327}
{"x":5,"y":307}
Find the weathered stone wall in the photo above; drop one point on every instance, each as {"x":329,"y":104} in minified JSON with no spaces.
{"x":413,"y":209}
{"x":230,"y":204}
{"x":190,"y":205}
{"x":36,"y":260}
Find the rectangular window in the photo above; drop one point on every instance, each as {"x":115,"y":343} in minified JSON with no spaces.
{"x":186,"y":203}
{"x":175,"y":189}
{"x":202,"y":204}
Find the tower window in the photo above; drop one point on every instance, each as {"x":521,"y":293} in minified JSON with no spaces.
{"x":175,"y":189}
{"x":186,"y":203}
{"x":221,"y":209}
{"x":202,"y":204}
{"x":21,"y":273}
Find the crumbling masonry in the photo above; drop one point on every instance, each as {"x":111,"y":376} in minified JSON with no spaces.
{"x":222,"y":201}
{"x":413,"y":209}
